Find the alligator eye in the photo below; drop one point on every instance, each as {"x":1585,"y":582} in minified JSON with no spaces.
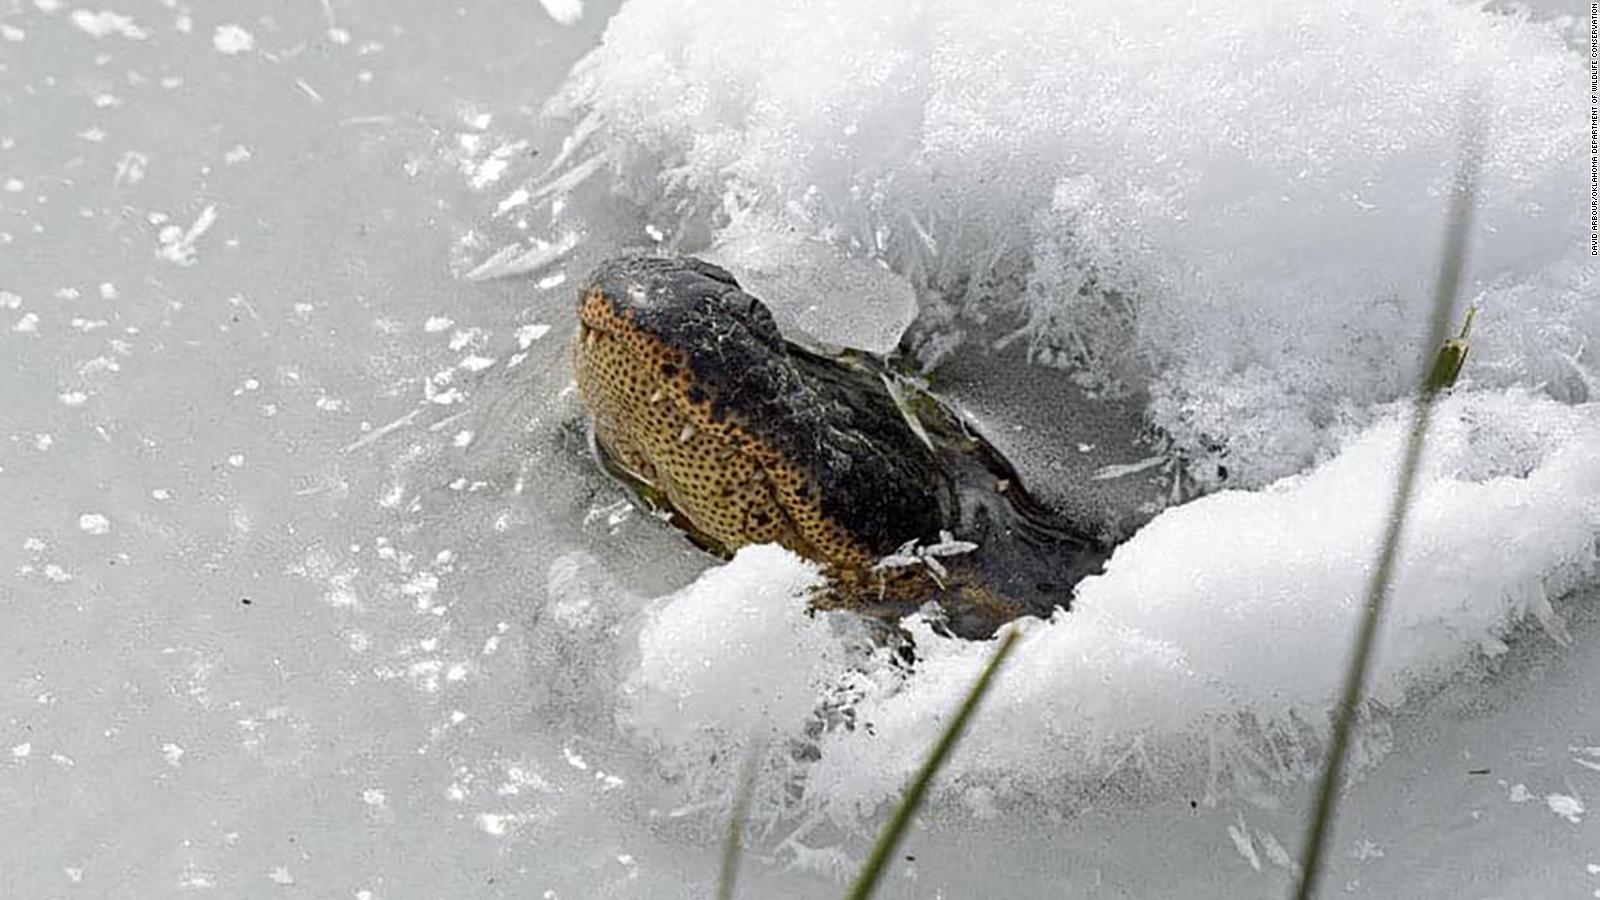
{"x":1048,"y":587}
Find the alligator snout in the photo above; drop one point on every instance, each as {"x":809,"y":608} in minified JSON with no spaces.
{"x":707,"y":411}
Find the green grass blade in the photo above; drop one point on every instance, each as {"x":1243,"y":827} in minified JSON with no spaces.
{"x":1434,"y":381}
{"x":733,"y":845}
{"x":1451,"y":357}
{"x":889,"y":839}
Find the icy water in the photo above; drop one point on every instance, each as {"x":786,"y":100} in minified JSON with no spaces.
{"x":312,"y":590}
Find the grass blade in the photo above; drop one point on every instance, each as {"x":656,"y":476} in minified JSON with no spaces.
{"x":1435,"y":379}
{"x":733,"y":845}
{"x":889,"y":839}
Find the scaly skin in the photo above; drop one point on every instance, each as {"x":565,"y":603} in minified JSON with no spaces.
{"x":701,"y":404}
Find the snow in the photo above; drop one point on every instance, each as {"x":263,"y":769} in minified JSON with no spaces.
{"x":731,"y":655}
{"x":1207,"y":641}
{"x":1234,"y":206}
{"x":1220,"y":608}
{"x":232,"y":40}
{"x":1567,"y":807}
{"x":178,"y":245}
{"x":1219,"y":624}
{"x":1203,"y":228}
{"x":106,"y":23}
{"x":310,"y":597}
{"x":565,"y":12}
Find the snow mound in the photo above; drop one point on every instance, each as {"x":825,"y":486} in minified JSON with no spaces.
{"x":734,"y":654}
{"x":1235,"y":206}
{"x":1206,"y":658}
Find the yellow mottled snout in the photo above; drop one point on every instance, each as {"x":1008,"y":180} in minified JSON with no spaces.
{"x":660,"y":426}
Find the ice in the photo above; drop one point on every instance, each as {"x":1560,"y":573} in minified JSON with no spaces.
{"x":276,"y":617}
{"x":816,"y":291}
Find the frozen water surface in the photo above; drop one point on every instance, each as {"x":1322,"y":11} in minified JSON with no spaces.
{"x":313,"y":591}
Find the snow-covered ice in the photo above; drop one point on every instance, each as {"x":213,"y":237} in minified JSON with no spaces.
{"x":315,"y":589}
